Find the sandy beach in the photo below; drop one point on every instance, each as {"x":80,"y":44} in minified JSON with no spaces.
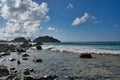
{"x":66,"y":66}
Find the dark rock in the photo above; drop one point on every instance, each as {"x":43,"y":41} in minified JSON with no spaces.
{"x":24,"y":58}
{"x":30,"y":45}
{"x":18,"y":62}
{"x":21,"y":50}
{"x":28,"y":78}
{"x":12,"y":68}
{"x":12,"y":48}
{"x":38,"y":60}
{"x":4,"y":71}
{"x":12,"y":59}
{"x":38,"y":47}
{"x":86,"y":55}
{"x":3,"y":47}
{"x":27,"y":72}
{"x":25,"y":55}
{"x":31,"y":70}
{"x":5,"y":53}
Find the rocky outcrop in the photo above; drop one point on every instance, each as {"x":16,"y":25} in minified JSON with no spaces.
{"x":86,"y":55}
{"x":19,"y":39}
{"x":45,"y":39}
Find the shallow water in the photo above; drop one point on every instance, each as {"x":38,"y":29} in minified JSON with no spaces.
{"x":66,"y":65}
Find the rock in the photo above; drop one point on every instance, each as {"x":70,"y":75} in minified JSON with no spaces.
{"x":27,"y":72}
{"x":12,"y":48}
{"x":5,"y":53}
{"x":31,"y":70}
{"x":38,"y":60}
{"x":38,"y":47}
{"x":24,"y":58}
{"x":21,"y":50}
{"x":28,"y":78}
{"x":86,"y":55}
{"x":12,"y":59}
{"x":18,"y":62}
{"x":25,"y":55}
{"x":12,"y":68}
{"x":4,"y":71}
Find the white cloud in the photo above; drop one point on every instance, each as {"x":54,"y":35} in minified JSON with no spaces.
{"x":23,"y":18}
{"x":51,"y":29}
{"x":81,"y":20}
{"x":70,"y":6}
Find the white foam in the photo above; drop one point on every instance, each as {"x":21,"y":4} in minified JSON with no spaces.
{"x":79,"y":49}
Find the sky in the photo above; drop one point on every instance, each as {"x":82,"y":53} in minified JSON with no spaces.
{"x":66,"y":20}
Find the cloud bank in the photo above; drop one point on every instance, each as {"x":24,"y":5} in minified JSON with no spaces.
{"x":23,"y":18}
{"x":81,"y":20}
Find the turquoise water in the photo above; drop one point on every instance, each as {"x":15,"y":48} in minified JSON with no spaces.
{"x":81,"y":47}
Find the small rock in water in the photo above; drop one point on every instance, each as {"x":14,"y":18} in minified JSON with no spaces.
{"x":12,"y":59}
{"x":86,"y":55}
{"x":12,"y":68}
{"x":25,"y":55}
{"x":38,"y":47}
{"x":18,"y":62}
{"x":27,"y":72}
{"x":38,"y":60}
{"x":29,"y":78}
{"x":25,"y":58}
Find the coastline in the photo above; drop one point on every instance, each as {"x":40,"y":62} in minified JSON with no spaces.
{"x":66,"y":66}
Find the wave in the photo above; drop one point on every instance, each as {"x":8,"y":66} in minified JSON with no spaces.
{"x":80,"y":49}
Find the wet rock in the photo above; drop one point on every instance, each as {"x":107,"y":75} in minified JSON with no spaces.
{"x":25,"y":55}
{"x":86,"y":55}
{"x":38,"y":47}
{"x":31,"y":70}
{"x":29,"y":78}
{"x":21,"y":50}
{"x":24,"y":58}
{"x":12,"y":59}
{"x":38,"y":60}
{"x":12,"y":68}
{"x":5,"y":53}
{"x":4,"y":71}
{"x":27,"y":72}
{"x":10,"y":77}
{"x":18,"y":62}
{"x":12,"y":48}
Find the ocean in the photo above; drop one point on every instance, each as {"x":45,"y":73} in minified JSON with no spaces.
{"x":107,"y":47}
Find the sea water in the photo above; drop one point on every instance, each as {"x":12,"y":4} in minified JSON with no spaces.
{"x":112,"y":47}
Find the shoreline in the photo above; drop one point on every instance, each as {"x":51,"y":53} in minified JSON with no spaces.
{"x":65,"y":65}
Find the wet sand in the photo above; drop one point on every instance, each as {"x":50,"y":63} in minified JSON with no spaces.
{"x":67,"y":66}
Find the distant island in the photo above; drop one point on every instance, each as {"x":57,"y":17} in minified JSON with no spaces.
{"x":46,"y":39}
{"x":38,"y":39}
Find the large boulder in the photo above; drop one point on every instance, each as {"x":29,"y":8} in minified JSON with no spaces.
{"x":86,"y":55}
{"x":38,"y":47}
{"x":4,"y":71}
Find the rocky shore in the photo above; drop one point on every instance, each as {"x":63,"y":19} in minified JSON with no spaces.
{"x":22,"y":62}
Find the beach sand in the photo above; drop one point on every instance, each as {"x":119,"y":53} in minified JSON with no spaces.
{"x":67,"y":66}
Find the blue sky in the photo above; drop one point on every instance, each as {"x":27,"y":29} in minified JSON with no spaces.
{"x":80,"y":20}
